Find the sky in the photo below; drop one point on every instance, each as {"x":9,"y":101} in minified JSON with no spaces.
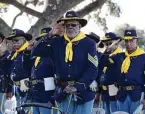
{"x":132,"y":13}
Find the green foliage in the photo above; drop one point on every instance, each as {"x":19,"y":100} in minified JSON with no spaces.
{"x":3,"y":8}
{"x":109,"y":9}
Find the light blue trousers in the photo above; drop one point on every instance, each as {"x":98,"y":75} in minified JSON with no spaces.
{"x":128,"y":105}
{"x":39,"y":110}
{"x":75,"y":108}
{"x":2,"y":101}
{"x":21,"y":100}
{"x":110,"y":106}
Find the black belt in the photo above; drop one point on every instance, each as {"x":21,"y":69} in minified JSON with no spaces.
{"x":104,"y":87}
{"x":65,"y":83}
{"x":128,"y":88}
{"x":17,"y":83}
{"x":35,"y":82}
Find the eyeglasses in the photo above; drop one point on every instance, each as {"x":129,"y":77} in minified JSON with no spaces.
{"x":72,"y":25}
{"x":17,"y":40}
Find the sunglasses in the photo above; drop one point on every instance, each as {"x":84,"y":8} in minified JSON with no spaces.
{"x":72,"y":25}
{"x":107,"y":43}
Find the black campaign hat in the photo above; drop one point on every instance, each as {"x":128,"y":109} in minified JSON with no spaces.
{"x":130,"y":34}
{"x":44,"y":31}
{"x":17,"y":32}
{"x":72,"y":15}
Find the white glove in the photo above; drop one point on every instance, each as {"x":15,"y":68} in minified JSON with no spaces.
{"x":7,"y":111}
{"x":10,"y":104}
{"x":93,"y":86}
{"x":23,"y":86}
{"x":139,"y":109}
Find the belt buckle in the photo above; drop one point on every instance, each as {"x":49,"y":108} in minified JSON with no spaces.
{"x":129,"y":88}
{"x":104,"y":87}
{"x":34,"y":82}
{"x":17,"y":83}
{"x":70,"y":83}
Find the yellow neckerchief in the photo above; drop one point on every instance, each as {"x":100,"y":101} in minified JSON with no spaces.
{"x":118,"y":50}
{"x":23,"y":47}
{"x":37,"y":60}
{"x":126,"y":63}
{"x":69,"y":50}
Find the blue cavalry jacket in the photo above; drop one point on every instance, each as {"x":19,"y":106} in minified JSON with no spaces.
{"x":44,"y":69}
{"x":134,"y":77}
{"x":18,"y":72}
{"x":82,"y":69}
{"x":5,"y":80}
{"x":108,"y":77}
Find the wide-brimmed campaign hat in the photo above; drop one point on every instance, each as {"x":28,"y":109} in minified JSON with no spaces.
{"x":130,"y":34}
{"x":17,"y":32}
{"x":110,"y":36}
{"x":93,"y":36}
{"x":96,"y":38}
{"x":72,"y":15}
{"x":44,"y":31}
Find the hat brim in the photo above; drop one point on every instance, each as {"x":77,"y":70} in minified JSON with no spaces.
{"x":38,"y":38}
{"x":83,"y":22}
{"x":58,"y":21}
{"x":130,"y":38}
{"x":118,"y":38}
{"x":93,"y":38}
{"x":28,"y":37}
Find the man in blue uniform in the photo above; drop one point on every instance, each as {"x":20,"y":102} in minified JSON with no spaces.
{"x":18,"y":73}
{"x":5,"y":80}
{"x":76,"y":64}
{"x":94,"y":84}
{"x":131,"y":79}
{"x":41,"y":68}
{"x":107,"y":75}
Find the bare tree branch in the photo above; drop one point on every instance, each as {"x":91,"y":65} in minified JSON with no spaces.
{"x":55,"y":9}
{"x":4,"y":28}
{"x":14,"y":20}
{"x":91,"y":7}
{"x":22,"y":8}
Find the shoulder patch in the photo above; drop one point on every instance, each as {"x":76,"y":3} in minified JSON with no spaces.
{"x":93,"y":60}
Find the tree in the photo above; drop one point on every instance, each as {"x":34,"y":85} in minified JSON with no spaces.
{"x":140,"y":33}
{"x":54,"y":9}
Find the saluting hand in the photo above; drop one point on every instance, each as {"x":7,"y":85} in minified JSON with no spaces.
{"x":114,"y":43}
{"x":31,"y":44}
{"x":57,"y":29}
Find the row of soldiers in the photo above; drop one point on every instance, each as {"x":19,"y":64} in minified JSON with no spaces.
{"x":65,"y":68}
